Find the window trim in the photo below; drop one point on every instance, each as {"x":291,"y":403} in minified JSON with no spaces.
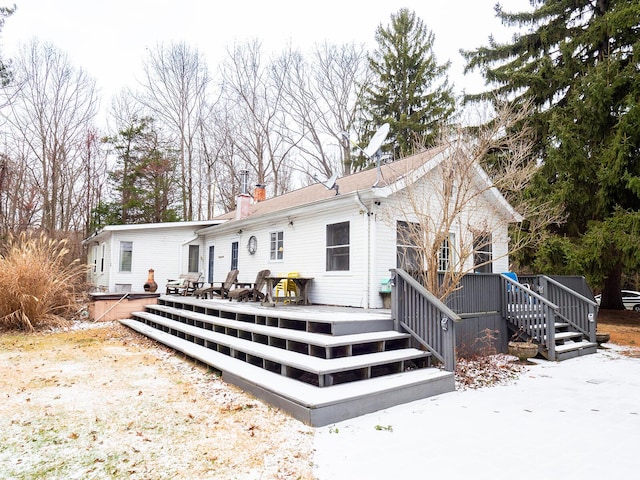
{"x":276,"y":246}
{"x":332,"y":263}
{"x":446,"y":262}
{"x":235,"y":248}
{"x":121,"y":259}
{"x":406,"y":242}
{"x":196,"y":249}
{"x":483,"y":252}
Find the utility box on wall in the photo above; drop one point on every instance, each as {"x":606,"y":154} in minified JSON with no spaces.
{"x":385,"y":292}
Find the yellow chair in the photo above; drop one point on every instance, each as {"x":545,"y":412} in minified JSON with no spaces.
{"x":287,"y":287}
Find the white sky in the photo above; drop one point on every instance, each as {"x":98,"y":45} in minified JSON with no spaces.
{"x":108,"y":38}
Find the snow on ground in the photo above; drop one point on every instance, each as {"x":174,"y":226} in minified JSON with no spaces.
{"x":579,"y":418}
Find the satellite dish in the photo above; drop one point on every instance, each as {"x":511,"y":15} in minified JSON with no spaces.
{"x":377,"y":140}
{"x":330,"y":182}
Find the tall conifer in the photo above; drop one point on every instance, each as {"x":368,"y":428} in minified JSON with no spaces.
{"x":579,"y":62}
{"x":410,"y":90}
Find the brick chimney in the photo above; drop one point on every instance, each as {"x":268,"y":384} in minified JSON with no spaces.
{"x":259,"y":193}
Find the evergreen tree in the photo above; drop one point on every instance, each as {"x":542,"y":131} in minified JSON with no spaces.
{"x":410,"y":90}
{"x":142,"y":178}
{"x":577,"y":61}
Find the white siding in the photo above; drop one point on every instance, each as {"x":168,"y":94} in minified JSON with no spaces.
{"x":163,"y":250}
{"x":304,"y":252}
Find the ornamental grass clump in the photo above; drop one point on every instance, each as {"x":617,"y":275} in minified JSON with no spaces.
{"x":38,"y":283}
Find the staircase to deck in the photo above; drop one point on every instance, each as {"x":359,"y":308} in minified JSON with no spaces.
{"x":562,"y":322}
{"x":321,"y":365}
{"x":567,"y":343}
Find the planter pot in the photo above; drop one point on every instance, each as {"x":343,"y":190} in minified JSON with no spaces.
{"x":602,"y":338}
{"x":523,"y":350}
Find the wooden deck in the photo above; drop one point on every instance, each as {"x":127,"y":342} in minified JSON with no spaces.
{"x":321,"y":364}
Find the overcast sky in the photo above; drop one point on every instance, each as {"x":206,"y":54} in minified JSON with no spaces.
{"x":108,"y":38}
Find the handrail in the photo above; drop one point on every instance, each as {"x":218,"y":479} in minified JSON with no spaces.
{"x":531,"y":312}
{"x":576,"y":309}
{"x":429,"y":321}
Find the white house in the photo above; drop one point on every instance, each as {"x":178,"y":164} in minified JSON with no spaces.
{"x":346,"y":237}
{"x":345,"y":234}
{"x":120,"y":256}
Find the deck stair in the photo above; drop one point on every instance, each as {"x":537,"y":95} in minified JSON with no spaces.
{"x":320,"y":365}
{"x":568,"y":343}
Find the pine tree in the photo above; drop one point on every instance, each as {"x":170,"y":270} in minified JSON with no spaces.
{"x":577,"y":60}
{"x":410,"y":90}
{"x":142,"y":177}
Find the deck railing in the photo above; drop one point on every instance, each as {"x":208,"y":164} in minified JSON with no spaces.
{"x":573,"y":308}
{"x":530,"y":312}
{"x":429,"y":321}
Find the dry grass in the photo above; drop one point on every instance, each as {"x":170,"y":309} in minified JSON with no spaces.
{"x":102,"y":402}
{"x":39,"y":283}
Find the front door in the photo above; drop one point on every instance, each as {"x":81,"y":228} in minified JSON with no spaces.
{"x":210,"y":263}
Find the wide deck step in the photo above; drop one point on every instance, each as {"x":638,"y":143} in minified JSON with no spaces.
{"x":316,"y":344}
{"x":307,"y":368}
{"x":310,"y":404}
{"x":313,"y":319}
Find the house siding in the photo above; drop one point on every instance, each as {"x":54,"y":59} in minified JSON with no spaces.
{"x":163,"y":250}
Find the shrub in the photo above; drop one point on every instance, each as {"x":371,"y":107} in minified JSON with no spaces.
{"x":39,"y":282}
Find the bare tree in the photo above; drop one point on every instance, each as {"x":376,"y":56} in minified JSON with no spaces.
{"x":323,"y":98}
{"x":50,"y":105}
{"x":444,"y":231}
{"x":263,"y":143}
{"x":174,"y":89}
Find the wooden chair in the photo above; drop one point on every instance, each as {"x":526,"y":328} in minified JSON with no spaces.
{"x":185,"y":284}
{"x":221,"y":290}
{"x":253,"y":293}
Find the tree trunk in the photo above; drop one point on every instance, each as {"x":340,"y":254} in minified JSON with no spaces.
{"x":611,"y":293}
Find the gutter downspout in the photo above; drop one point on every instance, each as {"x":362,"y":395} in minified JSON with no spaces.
{"x":368,"y":249}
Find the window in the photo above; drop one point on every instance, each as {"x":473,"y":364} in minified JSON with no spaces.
{"x":338,"y":247}
{"x":482,"y":253}
{"x":407,"y":251}
{"x":234,"y":256}
{"x":194,"y":258}
{"x":126,"y":256}
{"x":276,"y":247}
{"x":446,"y":253}
{"x":102,"y":258}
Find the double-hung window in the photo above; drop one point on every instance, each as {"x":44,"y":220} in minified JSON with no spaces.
{"x":126,"y":256}
{"x":408,"y":237}
{"x":446,"y":253}
{"x":276,"y":245}
{"x":338,"y":247}
{"x":482,"y":253}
